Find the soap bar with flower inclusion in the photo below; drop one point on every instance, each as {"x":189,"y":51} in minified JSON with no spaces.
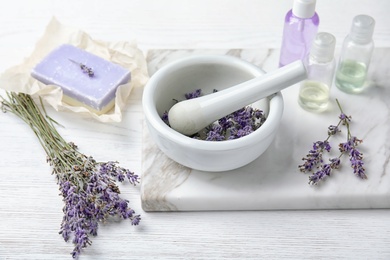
{"x":85,"y":79}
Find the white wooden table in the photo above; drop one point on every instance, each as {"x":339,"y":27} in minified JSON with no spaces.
{"x":30,"y":208}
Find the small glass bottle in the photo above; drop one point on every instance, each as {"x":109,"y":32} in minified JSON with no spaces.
{"x":300,"y":28}
{"x":320,"y":65}
{"x":356,"y":55}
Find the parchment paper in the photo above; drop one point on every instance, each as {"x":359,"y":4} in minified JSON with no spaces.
{"x":18,"y":78}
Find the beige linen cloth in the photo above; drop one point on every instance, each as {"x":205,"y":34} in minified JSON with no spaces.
{"x":18,"y":78}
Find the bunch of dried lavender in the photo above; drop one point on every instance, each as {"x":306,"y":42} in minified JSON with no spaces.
{"x":314,"y":159}
{"x":88,"y":187}
{"x":235,"y":125}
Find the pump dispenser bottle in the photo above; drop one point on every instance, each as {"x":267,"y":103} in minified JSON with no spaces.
{"x":356,"y":55}
{"x":300,"y":27}
{"x":320,"y":65}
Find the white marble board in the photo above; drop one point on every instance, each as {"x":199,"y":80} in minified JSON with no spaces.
{"x":273,"y":181}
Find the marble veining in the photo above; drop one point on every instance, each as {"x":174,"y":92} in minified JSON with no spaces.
{"x":161,"y":175}
{"x":273,"y":181}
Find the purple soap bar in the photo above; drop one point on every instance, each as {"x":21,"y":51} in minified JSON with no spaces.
{"x":85,"y":78}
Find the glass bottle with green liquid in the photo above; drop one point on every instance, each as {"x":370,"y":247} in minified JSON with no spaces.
{"x":320,"y":66}
{"x":355,"y":55}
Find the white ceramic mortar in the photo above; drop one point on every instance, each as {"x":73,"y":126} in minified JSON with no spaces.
{"x":207,"y":73}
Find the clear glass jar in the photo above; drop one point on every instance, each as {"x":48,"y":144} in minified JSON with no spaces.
{"x":320,"y":65}
{"x":355,"y":55}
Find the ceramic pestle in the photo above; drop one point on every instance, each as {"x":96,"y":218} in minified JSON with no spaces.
{"x":190,"y":116}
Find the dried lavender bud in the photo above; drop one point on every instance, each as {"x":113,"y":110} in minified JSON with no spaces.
{"x":325,"y":170}
{"x":355,"y":156}
{"x":194,"y":94}
{"x":333,"y":129}
{"x":87,"y":70}
{"x":164,"y":118}
{"x":344,"y":118}
{"x":215,"y":133}
{"x":314,"y":157}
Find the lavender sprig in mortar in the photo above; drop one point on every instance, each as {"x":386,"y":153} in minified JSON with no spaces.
{"x":314,"y":159}
{"x":88,"y":187}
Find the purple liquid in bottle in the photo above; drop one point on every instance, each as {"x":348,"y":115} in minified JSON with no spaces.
{"x":298,"y":35}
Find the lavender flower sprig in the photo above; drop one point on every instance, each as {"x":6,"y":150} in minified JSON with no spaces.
{"x":88,"y":187}
{"x":314,"y":159}
{"x":84,"y":68}
{"x":235,"y":125}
